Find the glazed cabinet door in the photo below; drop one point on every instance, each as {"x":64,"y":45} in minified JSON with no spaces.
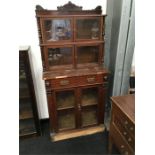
{"x":63,"y":109}
{"x":91,"y":105}
{"x":88,"y":55}
{"x":57,"y":29}
{"x":87,"y":28}
{"x":57,"y":57}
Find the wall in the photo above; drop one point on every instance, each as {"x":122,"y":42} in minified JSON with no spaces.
{"x":29,"y":36}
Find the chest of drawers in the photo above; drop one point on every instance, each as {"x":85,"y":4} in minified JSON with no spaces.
{"x":122,"y":126}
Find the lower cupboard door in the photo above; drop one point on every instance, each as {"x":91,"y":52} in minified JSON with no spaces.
{"x":66,"y":119}
{"x":89,"y":116}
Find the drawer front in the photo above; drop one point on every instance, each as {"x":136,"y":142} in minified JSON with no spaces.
{"x":124,"y":132}
{"x":90,"y":79}
{"x":124,"y":120}
{"x":63,"y":82}
{"x":120,"y":142}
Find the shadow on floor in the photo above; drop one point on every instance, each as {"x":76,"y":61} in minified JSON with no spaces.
{"x":95,"y":144}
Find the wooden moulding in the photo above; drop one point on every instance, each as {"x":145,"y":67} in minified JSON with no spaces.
{"x":77,"y":133}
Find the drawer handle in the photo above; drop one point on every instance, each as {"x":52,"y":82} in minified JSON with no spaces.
{"x":126,"y":153}
{"x":124,"y":133}
{"x":129,"y":139}
{"x":47,"y":83}
{"x":91,"y":79}
{"x":64,"y":82}
{"x":122,"y":146}
{"x":126,"y":122}
{"x":131,"y":128}
{"x":105,"y":78}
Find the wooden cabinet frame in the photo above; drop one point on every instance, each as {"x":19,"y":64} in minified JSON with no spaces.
{"x":78,"y":76}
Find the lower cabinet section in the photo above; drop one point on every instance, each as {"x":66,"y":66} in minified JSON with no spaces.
{"x":76,"y":108}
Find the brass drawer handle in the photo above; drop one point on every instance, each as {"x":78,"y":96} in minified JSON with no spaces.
{"x":126,"y":153}
{"x":47,"y":83}
{"x":129,"y":139}
{"x":64,"y":82}
{"x":131,"y":128}
{"x":126,"y":122}
{"x":91,"y":79}
{"x":122,"y":146}
{"x":124,"y":133}
{"x":105,"y":78}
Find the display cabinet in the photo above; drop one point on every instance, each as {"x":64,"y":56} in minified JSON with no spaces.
{"x":28,"y":116}
{"x":72,"y":50}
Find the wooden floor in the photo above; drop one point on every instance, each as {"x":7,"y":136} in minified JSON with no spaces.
{"x":77,"y":133}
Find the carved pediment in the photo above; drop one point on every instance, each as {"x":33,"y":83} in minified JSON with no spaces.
{"x":69,"y":7}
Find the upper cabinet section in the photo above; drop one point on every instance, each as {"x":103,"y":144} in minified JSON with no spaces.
{"x":69,"y":23}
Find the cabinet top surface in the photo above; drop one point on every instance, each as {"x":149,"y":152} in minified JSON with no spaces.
{"x":74,"y":72}
{"x":126,"y":104}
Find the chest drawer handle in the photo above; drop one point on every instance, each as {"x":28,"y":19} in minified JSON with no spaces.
{"x":91,"y":79}
{"x":131,"y":128}
{"x":64,"y":82}
{"x":122,"y":146}
{"x":126,"y":153}
{"x":47,"y":83}
{"x":124,"y":133}
{"x":129,"y":139}
{"x":126,"y":122}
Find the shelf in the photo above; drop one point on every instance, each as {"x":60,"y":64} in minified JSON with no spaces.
{"x":24,"y":93}
{"x":25,"y":114}
{"x":89,"y":104}
{"x":65,"y":108}
{"x":26,"y":127}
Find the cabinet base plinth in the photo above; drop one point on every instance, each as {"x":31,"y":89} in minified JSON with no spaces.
{"x":77,"y":133}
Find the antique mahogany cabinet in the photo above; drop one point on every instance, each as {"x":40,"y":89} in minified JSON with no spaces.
{"x":29,"y":124}
{"x":72,"y":50}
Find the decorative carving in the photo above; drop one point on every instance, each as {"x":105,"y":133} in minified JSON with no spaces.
{"x":98,"y":8}
{"x":39,"y":7}
{"x":69,"y":7}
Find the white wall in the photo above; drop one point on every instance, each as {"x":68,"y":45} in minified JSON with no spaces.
{"x":28,"y":35}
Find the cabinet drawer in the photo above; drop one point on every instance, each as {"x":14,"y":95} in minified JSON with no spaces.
{"x":124,"y":132}
{"x":124,"y":120}
{"x":90,"y":79}
{"x":120,"y":141}
{"x":63,"y":82}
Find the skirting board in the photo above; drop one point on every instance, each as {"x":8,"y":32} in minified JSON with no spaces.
{"x":77,"y":133}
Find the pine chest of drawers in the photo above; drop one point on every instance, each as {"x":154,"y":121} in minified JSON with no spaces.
{"x":122,"y":126}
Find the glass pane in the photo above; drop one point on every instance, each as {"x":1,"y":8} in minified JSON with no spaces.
{"x":60,"y":56}
{"x":89,"y":116}
{"x":87,"y":29}
{"x":58,"y":29}
{"x":87,"y":54}
{"x":66,"y":120}
{"x":26,"y":126}
{"x":65,"y":99}
{"x":89,"y":96}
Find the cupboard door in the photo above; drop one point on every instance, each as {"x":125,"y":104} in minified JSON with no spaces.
{"x":57,"y":29}
{"x":87,"y":28}
{"x":89,"y":106}
{"x":65,"y":106}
